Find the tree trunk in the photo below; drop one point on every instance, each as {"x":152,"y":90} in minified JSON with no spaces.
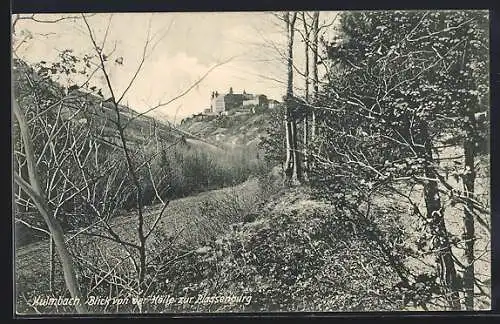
{"x":289,"y":153}
{"x":51,"y":264}
{"x":297,"y":155}
{"x":315,"y":79}
{"x":441,"y":245}
{"x":469,"y":233}
{"x":33,"y":189}
{"x":305,"y":143}
{"x":469,"y":178}
{"x":141,"y":271}
{"x":292,"y":158}
{"x":306,"y":78}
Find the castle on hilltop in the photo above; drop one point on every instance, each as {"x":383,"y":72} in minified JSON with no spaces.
{"x":220,"y":103}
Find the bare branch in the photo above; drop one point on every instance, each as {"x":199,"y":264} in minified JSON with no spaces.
{"x":106,"y":32}
{"x":144,"y":56}
{"x":18,"y":220}
{"x":160,"y":215}
{"x":111,"y":238}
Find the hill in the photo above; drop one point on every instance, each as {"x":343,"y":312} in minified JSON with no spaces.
{"x":179,"y":162}
{"x":238,"y":129}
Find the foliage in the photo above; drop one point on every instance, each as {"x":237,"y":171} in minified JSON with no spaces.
{"x":274,"y":142}
{"x":288,"y":261}
{"x":401,"y":84}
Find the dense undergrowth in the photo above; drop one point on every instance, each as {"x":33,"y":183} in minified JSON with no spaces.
{"x":298,"y":255}
{"x":274,"y":250}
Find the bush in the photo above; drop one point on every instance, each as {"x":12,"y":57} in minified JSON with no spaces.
{"x":189,"y":170}
{"x":288,"y":261}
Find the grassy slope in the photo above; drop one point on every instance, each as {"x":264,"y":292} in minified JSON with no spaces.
{"x":299,"y":254}
{"x":182,"y":215}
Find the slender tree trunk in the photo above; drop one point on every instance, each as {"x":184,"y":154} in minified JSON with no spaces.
{"x":442,"y":245}
{"x":469,"y":178}
{"x":51,"y":263}
{"x":469,"y":232}
{"x":306,"y":78}
{"x":291,"y":167}
{"x":289,"y":153}
{"x":298,"y":172}
{"x":33,"y":189}
{"x":315,"y":79}
{"x":305,"y":143}
{"x":297,"y":154}
{"x":139,"y":205}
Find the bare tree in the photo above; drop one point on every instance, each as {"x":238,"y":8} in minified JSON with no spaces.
{"x":293,"y":170}
{"x":306,"y":39}
{"x":122,"y":123}
{"x":33,"y":188}
{"x":100,"y":195}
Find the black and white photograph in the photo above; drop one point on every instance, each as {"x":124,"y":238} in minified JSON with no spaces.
{"x":251,"y":162}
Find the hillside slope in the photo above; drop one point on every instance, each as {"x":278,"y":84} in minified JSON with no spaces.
{"x":185,"y":223}
{"x":238,"y":129}
{"x":177,"y":159}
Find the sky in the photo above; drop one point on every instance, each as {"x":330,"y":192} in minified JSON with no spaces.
{"x":183,"y":47}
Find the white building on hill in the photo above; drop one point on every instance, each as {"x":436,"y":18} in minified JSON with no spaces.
{"x":253,"y":101}
{"x":217,"y":105}
{"x":223,"y":102}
